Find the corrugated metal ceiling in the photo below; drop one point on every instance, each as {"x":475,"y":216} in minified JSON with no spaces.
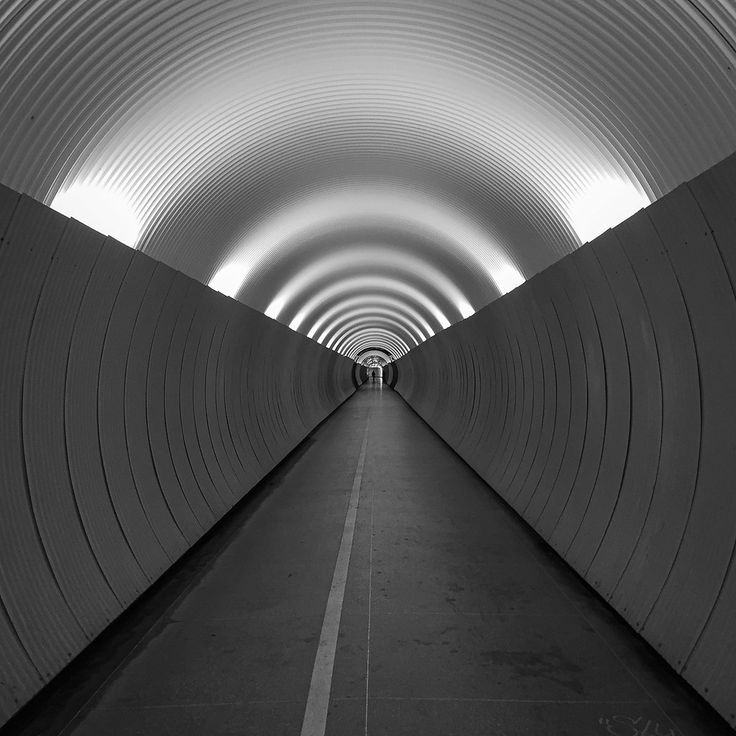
{"x":367,"y":172}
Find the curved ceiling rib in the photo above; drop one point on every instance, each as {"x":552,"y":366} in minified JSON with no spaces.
{"x":359,"y":326}
{"x":377,"y":333}
{"x":368,"y":285}
{"x":386,"y":304}
{"x":325,"y":162}
{"x":350,"y":319}
{"x":376,"y":337}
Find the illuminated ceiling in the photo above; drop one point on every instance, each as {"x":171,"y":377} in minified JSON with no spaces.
{"x":366,"y":172}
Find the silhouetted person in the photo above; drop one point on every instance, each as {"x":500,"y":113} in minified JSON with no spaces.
{"x":373,"y":376}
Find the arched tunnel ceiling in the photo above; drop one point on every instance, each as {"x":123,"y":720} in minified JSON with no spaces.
{"x":366,"y":172}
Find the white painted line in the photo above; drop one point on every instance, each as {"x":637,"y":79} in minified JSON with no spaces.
{"x":318,"y":701}
{"x":370,"y":605}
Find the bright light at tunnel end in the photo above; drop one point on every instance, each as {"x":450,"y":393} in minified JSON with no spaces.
{"x":604,"y":205}
{"x":101,"y":208}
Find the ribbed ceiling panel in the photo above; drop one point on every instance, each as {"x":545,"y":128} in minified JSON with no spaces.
{"x":280,"y":149}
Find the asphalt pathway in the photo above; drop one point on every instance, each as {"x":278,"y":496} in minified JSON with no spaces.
{"x":375,"y":586}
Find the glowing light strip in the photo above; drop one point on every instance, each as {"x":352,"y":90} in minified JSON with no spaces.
{"x":402,"y":346}
{"x":377,"y":283}
{"x":379,"y":337}
{"x":374,"y":329}
{"x":349,"y":318}
{"x":371,"y":345}
{"x":102,"y":208}
{"x":361,"y":324}
{"x":375,"y":339}
{"x":372,"y":299}
{"x":374,"y":351}
{"x":364,"y":257}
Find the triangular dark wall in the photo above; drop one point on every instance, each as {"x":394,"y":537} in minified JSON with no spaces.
{"x":599,"y":399}
{"x":137,"y":406}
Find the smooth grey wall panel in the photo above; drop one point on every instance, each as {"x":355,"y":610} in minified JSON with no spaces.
{"x":699,"y":569}
{"x":60,"y":523}
{"x":517,"y":444}
{"x":240,"y":336}
{"x":206,"y":331}
{"x":592,"y":423}
{"x":8,"y":202}
{"x":19,"y":675}
{"x":180,"y":399}
{"x":248,"y":391}
{"x":167,"y":511}
{"x":554,"y":485}
{"x":118,"y":560}
{"x":605,"y":414}
{"x":235,"y":454}
{"x":32,"y":594}
{"x":645,"y":420}
{"x":155,"y":548}
{"x":136,"y":407}
{"x":170,"y":463}
{"x":549,"y":462}
{"x":523,"y":480}
{"x":711,"y":660}
{"x":674,"y":481}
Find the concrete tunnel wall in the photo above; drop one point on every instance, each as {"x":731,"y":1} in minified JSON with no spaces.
{"x":599,"y":400}
{"x":137,"y":406}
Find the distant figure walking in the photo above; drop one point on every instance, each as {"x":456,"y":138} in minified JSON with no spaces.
{"x":373,"y":376}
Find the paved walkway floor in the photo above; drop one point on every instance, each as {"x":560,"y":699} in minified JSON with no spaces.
{"x":437,"y":612}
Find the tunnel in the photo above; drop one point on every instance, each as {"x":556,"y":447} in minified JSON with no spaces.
{"x":368,"y":367}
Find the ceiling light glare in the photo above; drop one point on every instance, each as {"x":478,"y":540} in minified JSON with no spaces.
{"x":507,"y":278}
{"x":103,"y":209}
{"x":356,"y":204}
{"x":274,"y":308}
{"x":380,"y":300}
{"x":464,"y":307}
{"x":362,"y":257}
{"x":604,"y":205}
{"x":379,"y":283}
{"x":228,"y":280}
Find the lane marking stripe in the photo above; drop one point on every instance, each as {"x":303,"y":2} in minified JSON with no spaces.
{"x":318,"y":701}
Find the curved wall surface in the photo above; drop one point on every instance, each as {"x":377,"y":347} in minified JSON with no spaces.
{"x":599,"y":400}
{"x":136,"y":407}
